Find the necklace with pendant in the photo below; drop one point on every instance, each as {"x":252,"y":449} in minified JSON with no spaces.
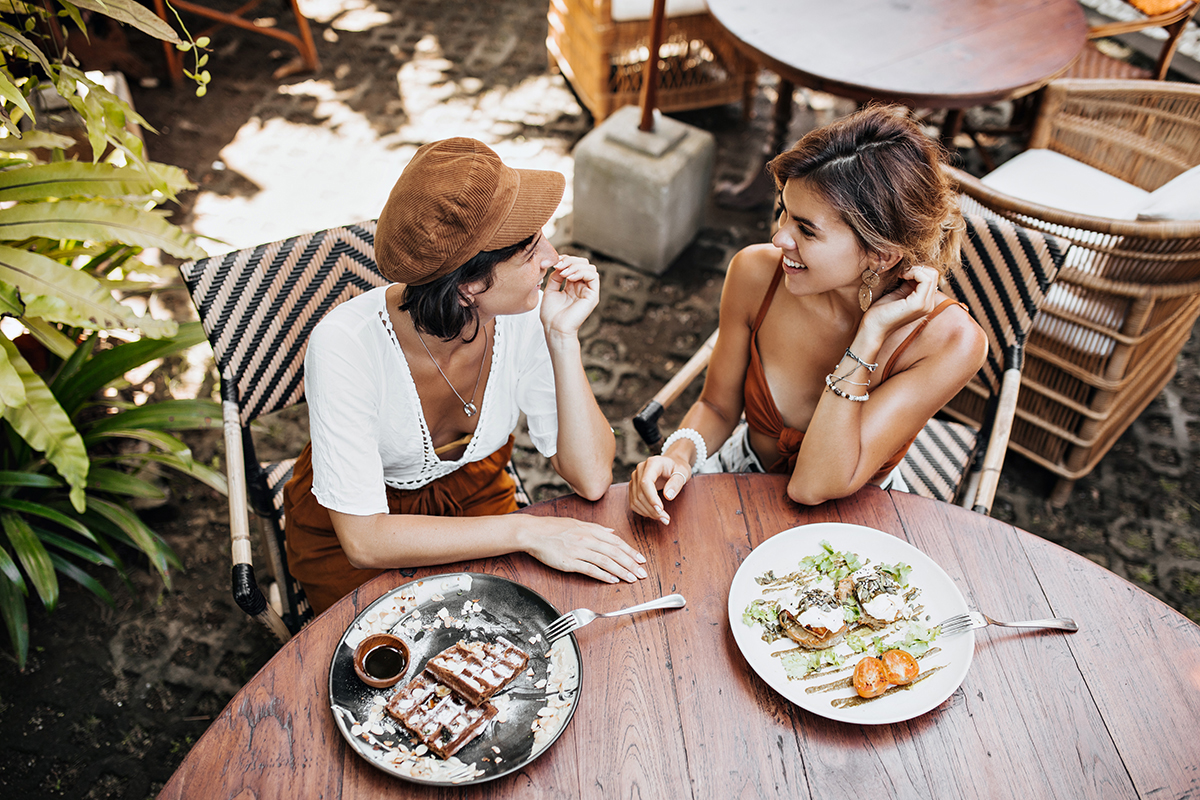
{"x":468,"y":406}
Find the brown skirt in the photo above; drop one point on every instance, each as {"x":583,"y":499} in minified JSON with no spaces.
{"x":315,"y":556}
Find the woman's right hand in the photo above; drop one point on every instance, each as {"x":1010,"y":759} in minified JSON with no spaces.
{"x":574,"y":546}
{"x":655,"y":474}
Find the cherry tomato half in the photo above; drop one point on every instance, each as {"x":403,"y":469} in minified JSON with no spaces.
{"x":901,"y":668}
{"x":870,"y":677}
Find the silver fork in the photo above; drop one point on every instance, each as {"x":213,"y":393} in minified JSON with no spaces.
{"x":574,"y":620}
{"x":962,"y":623}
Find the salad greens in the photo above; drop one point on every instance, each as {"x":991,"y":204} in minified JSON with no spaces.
{"x":832,"y":565}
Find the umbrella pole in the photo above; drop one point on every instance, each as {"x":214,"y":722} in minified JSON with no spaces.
{"x":650,"y":77}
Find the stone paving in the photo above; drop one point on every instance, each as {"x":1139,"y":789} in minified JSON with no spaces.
{"x":397,"y":73}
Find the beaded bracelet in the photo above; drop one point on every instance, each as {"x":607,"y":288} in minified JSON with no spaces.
{"x":697,"y":439}
{"x":857,"y":398}
{"x":870,"y":367}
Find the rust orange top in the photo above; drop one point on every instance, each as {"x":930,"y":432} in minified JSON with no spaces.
{"x":762,"y":415}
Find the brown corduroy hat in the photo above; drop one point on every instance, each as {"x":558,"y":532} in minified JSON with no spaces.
{"x":454,"y":200}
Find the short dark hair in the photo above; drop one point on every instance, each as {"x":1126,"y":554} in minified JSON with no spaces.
{"x":440,"y":308}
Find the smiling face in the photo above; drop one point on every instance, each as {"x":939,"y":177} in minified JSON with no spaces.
{"x":820,"y":251}
{"x":515,"y":281}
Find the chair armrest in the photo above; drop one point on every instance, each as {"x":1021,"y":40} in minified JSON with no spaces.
{"x":646,"y":420}
{"x":246,"y":592}
{"x":1116,"y":28}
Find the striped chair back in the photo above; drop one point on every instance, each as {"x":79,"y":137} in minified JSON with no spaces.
{"x":1006,"y":272}
{"x":259,"y":306}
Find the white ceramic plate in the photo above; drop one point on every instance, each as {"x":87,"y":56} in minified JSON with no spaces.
{"x":505,"y":609}
{"x":939,"y":596}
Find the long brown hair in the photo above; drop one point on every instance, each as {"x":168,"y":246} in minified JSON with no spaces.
{"x":882,"y":174}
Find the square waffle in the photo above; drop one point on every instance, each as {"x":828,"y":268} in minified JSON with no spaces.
{"x":441,"y":719}
{"x":477,"y":670}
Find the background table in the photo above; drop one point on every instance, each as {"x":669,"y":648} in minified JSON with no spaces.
{"x":952,"y":54}
{"x":670,"y":709}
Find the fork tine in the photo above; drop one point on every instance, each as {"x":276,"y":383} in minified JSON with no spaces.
{"x":955,"y":624}
{"x":561,"y":627}
{"x":560,"y":632}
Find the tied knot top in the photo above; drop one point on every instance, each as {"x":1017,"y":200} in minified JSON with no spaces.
{"x":762,"y":415}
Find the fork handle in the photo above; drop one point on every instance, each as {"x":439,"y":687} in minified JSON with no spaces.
{"x":670,"y":601}
{"x":1062,"y":623}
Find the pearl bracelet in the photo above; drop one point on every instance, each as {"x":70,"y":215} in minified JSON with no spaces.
{"x":697,"y":439}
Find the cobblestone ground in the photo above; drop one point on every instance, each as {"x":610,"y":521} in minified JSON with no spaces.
{"x":112,"y":699}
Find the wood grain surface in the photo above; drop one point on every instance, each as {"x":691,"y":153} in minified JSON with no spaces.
{"x":924,"y":53}
{"x":669,"y":708}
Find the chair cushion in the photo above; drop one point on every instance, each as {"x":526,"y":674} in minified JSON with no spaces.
{"x":1178,"y":198}
{"x":1058,"y":181}
{"x":935,"y":464}
{"x":629,"y":10}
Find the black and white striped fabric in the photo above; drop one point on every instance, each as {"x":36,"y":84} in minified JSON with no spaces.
{"x":1006,"y":272}
{"x":259,"y":306}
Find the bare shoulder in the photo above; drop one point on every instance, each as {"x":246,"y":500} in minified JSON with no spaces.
{"x":957,"y":338}
{"x":747,"y":279}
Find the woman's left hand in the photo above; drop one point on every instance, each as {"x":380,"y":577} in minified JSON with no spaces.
{"x":915,"y":297}
{"x":571,"y":295}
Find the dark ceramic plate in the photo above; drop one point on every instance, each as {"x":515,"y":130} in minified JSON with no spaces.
{"x":432,"y":614}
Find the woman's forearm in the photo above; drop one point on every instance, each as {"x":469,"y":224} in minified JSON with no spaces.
{"x":832,"y":458}
{"x":383,"y":541}
{"x":586,"y":444}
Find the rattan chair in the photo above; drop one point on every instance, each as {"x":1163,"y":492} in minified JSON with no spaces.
{"x":1172,"y":16}
{"x":604,"y":58}
{"x":258,"y":307}
{"x":1005,"y":274}
{"x":1126,"y":299}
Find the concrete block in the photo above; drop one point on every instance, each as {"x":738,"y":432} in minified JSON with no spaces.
{"x":640,"y":197}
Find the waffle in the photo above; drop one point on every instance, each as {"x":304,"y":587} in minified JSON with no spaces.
{"x":441,"y":719}
{"x":477,"y":670}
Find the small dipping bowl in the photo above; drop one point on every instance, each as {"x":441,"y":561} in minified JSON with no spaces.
{"x":380,"y":660}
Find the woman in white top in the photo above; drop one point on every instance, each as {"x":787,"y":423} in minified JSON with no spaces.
{"x":414,"y":388}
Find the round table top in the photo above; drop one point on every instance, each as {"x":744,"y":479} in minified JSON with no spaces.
{"x":923,"y":53}
{"x":670,"y":708}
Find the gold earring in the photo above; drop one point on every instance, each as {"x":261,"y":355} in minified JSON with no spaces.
{"x":870,"y":279}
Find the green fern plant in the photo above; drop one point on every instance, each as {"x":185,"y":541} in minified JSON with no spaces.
{"x":73,"y":459}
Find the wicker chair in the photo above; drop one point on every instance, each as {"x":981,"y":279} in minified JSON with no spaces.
{"x":1126,"y":300}
{"x":1170,"y":15}
{"x":258,"y":307}
{"x":1004,"y":278}
{"x":604,"y":58}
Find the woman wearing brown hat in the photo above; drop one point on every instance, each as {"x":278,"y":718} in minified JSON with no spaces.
{"x":414,"y":388}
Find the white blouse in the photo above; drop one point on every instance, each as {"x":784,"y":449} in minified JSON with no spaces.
{"x":368,"y":430}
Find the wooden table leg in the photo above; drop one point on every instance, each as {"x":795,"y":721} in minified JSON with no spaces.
{"x":758,"y":187}
{"x":951,"y":127}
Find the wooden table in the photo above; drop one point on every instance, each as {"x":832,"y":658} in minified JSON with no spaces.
{"x":952,"y":54}
{"x":670,"y":709}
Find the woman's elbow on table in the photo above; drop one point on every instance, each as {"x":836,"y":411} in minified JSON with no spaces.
{"x":594,"y":487}
{"x":804,"y":495}
{"x":811,"y":493}
{"x":354,"y":534}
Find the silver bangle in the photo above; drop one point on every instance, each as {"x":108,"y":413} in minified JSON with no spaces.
{"x":868,"y":367}
{"x":697,"y":439}
{"x":858,"y":398}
